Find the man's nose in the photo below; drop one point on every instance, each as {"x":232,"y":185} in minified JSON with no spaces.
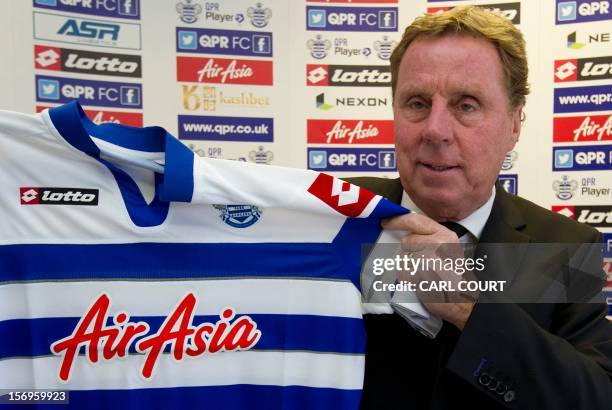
{"x":438,"y":127}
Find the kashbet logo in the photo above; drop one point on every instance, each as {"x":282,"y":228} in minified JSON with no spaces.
{"x":348,"y":76}
{"x":509,"y":160}
{"x":188,"y":11}
{"x":598,"y":216}
{"x":350,"y":131}
{"x":239,"y":216}
{"x":351,"y":18}
{"x":87,"y":62}
{"x":582,"y":128}
{"x":565,"y":188}
{"x":207,"y":98}
{"x":259,"y":15}
{"x":583,"y":69}
{"x":58,"y":196}
{"x":223,"y":70}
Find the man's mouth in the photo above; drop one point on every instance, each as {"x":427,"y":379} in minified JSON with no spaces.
{"x":438,"y":167}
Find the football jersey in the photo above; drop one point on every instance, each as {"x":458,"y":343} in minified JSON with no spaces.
{"x":134,"y":274}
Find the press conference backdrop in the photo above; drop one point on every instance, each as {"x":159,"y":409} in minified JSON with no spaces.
{"x":305,"y":83}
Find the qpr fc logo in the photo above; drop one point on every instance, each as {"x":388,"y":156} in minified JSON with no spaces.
{"x":318,"y":47}
{"x":509,"y":160}
{"x":565,"y":188}
{"x":260,"y":156}
{"x":259,"y":15}
{"x":384,"y":48}
{"x":188,"y":11}
{"x":239,"y":216}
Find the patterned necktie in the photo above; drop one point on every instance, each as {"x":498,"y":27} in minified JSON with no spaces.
{"x":455,"y":227}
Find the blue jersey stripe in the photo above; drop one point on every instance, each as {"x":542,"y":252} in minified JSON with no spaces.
{"x":33,"y":337}
{"x":235,"y":397}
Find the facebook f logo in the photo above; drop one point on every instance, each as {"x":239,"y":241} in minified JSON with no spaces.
{"x":509,"y":183}
{"x":386,"y":160}
{"x":128,"y":7}
{"x":387,"y":19}
{"x":261,"y":45}
{"x":130,"y":96}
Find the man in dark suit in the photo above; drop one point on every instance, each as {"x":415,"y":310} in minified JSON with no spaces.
{"x":459,"y":85}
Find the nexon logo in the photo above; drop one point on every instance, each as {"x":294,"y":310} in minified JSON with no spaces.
{"x":351,"y":18}
{"x":348,"y":76}
{"x":86,"y":62}
{"x":582,"y":69}
{"x":58,"y":196}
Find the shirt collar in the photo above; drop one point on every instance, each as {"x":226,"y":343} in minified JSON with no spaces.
{"x":474,"y":223}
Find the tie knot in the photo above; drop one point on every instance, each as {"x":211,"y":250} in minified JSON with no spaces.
{"x":455,"y":227}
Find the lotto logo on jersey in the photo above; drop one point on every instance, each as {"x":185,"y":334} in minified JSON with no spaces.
{"x":351,"y":18}
{"x":133,"y":119}
{"x":90,"y":32}
{"x":350,"y":131}
{"x":229,"y":42}
{"x":583,"y":128}
{"x":350,"y":200}
{"x":223,"y":70}
{"x":86,"y":62}
{"x":58,"y":196}
{"x":97,"y":93}
{"x":581,"y":11}
{"x":348,"y":75}
{"x":598,"y":216}
{"x":125,"y":9}
{"x":583,"y":69}
{"x":351,"y":159}
{"x":510,"y":11}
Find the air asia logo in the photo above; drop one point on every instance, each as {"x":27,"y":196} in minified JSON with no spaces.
{"x":239,"y":216}
{"x":67,"y":29}
{"x":96,"y":333}
{"x":133,"y":119}
{"x":228,"y":42}
{"x":510,"y":11}
{"x":509,"y":183}
{"x":598,"y":216}
{"x":582,"y":69}
{"x":223,"y":70}
{"x":351,"y":159}
{"x":565,"y":188}
{"x":348,"y":75}
{"x":350,"y":131}
{"x":509,"y":160}
{"x":347,"y":199}
{"x":582,"y":10}
{"x":207,"y":98}
{"x":351,"y":18}
{"x":58,"y":196}
{"x":576,"y":158}
{"x":583,"y":128}
{"x":125,"y":9}
{"x":86,"y":62}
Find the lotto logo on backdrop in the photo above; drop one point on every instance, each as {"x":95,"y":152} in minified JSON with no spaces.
{"x":583,"y":69}
{"x":509,"y":11}
{"x":348,"y":75}
{"x":227,"y":42}
{"x":349,"y":131}
{"x":125,"y":9}
{"x":86,"y":62}
{"x":223,"y":71}
{"x":133,"y":119}
{"x":509,"y":183}
{"x":583,"y":158}
{"x":193,"y":127}
{"x":98,"y":33}
{"x":580,"y":99}
{"x":581,"y":11}
{"x":598,"y":216}
{"x":351,"y":159}
{"x":351,"y":18}
{"x":583,"y":128}
{"x":87,"y":92}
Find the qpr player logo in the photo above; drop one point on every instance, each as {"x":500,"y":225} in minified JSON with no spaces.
{"x":318,"y":47}
{"x":239,"y":216}
{"x":260,"y":156}
{"x":259,"y":16}
{"x":565,"y":188}
{"x":384,"y":48}
{"x":188,"y":11}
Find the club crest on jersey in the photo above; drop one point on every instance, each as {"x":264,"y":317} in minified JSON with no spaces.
{"x":239,"y":216}
{"x":98,"y":335}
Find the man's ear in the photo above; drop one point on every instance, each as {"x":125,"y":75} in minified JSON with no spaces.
{"x":517,"y":123}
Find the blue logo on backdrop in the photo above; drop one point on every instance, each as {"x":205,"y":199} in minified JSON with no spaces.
{"x":509,"y":183}
{"x":227,"y":42}
{"x":607,"y":245}
{"x":581,"y":99}
{"x":351,"y":159}
{"x":126,"y":9}
{"x":239,"y":216}
{"x":583,"y":158}
{"x":351,"y":18}
{"x":194,"y":127}
{"x":581,"y":11}
{"x":88,"y":92}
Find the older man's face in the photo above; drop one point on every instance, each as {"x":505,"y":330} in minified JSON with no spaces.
{"x":453,"y":123}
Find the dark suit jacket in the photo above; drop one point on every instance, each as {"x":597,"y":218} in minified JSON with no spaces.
{"x":518,"y":356}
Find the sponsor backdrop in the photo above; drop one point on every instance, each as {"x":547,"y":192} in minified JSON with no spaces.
{"x":305,"y":83}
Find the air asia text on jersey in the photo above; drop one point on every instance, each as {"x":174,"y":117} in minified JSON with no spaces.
{"x":229,"y":333}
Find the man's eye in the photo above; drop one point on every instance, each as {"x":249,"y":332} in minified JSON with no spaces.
{"x":466,"y":107}
{"x":416,"y":105}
